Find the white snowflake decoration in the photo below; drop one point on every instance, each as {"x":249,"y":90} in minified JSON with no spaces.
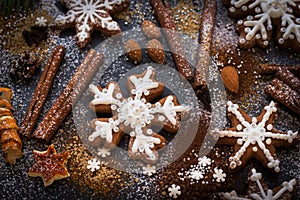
{"x":174,"y":191}
{"x":262,"y":195}
{"x":41,"y":21}
{"x":255,"y":133}
{"x":200,"y":170}
{"x":93,"y":165}
{"x":259,"y":26}
{"x":219,"y":175}
{"x":89,"y":15}
{"x":204,"y":161}
{"x":149,"y":170}
{"x":135,"y":113}
{"x":103,"y":152}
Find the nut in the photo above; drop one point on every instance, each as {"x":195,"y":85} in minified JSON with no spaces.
{"x":150,"y":29}
{"x":133,"y":50}
{"x":230,"y":78}
{"x":155,"y":50}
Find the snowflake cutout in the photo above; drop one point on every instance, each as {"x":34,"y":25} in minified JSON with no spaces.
{"x":196,"y":174}
{"x":219,"y":175}
{"x":174,"y":191}
{"x":135,"y":115}
{"x":254,"y":137}
{"x":41,"y":21}
{"x":259,"y":18}
{"x":200,"y":170}
{"x":87,"y":15}
{"x":258,"y":190}
{"x":149,"y":170}
{"x":103,"y":152}
{"x":93,"y":165}
{"x":204,"y":161}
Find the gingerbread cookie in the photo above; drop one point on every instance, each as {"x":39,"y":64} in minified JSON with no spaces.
{"x":49,"y":165}
{"x":258,"y":19}
{"x":258,"y":189}
{"x":135,"y":115}
{"x":87,"y":16}
{"x":254,"y":137}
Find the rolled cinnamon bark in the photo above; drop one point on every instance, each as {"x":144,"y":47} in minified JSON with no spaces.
{"x":166,"y":19}
{"x":41,"y":91}
{"x":288,"y":78}
{"x":272,"y":69}
{"x":63,"y":105}
{"x":285,"y":95}
{"x":205,"y":36}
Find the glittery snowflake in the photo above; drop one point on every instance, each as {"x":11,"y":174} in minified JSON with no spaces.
{"x":87,"y":15}
{"x":254,"y":137}
{"x":219,"y":175}
{"x":41,"y":21}
{"x":174,"y":191}
{"x":204,"y":161}
{"x":149,"y":170}
{"x":258,"y":190}
{"x":93,"y":165}
{"x":135,"y":115}
{"x":259,"y":18}
{"x":103,"y":152}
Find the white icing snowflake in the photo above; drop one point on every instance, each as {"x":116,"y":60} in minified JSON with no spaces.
{"x":103,"y":152}
{"x":219,"y":175}
{"x":174,"y":191}
{"x":136,"y":114}
{"x":260,"y":23}
{"x":257,"y":135}
{"x":89,"y":15}
{"x":41,"y":21}
{"x":149,"y":170}
{"x":93,"y":165}
{"x":262,"y":195}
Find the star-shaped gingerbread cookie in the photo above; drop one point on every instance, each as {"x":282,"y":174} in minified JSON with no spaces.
{"x":254,"y":137}
{"x":49,"y":165}
{"x":89,"y":15}
{"x":258,"y":189}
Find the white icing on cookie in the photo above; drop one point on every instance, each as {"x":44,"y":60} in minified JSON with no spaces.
{"x":255,"y":133}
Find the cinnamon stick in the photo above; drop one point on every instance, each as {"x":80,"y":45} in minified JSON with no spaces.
{"x":288,"y":78}
{"x":63,"y":105}
{"x":166,"y":19}
{"x":205,"y":36}
{"x":41,"y":91}
{"x":282,"y":93}
{"x":272,"y":69}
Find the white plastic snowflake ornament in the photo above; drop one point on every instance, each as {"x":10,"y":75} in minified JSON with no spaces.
{"x":259,"y":18}
{"x":258,"y":190}
{"x":174,"y":191}
{"x":89,"y":15}
{"x":135,"y":115}
{"x":93,"y":165}
{"x":254,"y":137}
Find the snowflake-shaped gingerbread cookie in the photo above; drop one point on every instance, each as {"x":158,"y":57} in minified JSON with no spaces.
{"x":257,"y":189}
{"x":89,"y":15}
{"x":258,"y":19}
{"x":254,"y":137}
{"x":135,"y":115}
